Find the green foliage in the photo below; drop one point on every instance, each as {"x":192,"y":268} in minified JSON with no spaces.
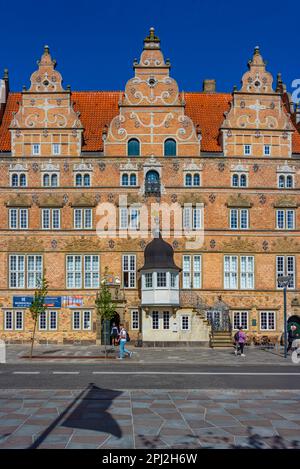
{"x":38,"y":304}
{"x":105,"y":307}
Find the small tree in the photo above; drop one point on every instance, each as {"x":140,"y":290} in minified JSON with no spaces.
{"x":38,"y":305}
{"x":104,"y":304}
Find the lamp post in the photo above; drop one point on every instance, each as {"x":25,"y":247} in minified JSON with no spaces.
{"x":283,"y":282}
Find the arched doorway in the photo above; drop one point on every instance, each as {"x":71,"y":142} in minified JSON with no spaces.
{"x":115,"y":320}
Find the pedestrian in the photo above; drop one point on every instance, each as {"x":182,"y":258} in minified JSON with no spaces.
{"x":240,"y":339}
{"x":114,"y":334}
{"x":123,"y":337}
{"x":292,"y":335}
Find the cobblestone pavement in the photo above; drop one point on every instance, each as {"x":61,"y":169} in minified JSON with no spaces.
{"x":105,"y":418}
{"x":81,"y":353}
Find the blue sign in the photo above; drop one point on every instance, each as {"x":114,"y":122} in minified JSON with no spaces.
{"x":26,"y":301}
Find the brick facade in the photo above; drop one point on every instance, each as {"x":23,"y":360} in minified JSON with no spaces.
{"x":47,"y":130}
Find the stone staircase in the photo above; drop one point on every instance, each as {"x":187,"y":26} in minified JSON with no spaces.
{"x":221,"y":339}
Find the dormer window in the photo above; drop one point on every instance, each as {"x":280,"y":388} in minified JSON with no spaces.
{"x":133,"y":147}
{"x":36,"y":149}
{"x":170,"y":147}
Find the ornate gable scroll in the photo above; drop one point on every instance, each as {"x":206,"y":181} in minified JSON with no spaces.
{"x":151,"y":109}
{"x":46,"y":115}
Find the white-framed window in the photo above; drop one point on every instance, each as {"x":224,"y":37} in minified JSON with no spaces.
{"x":129,"y":179}
{"x":50,"y":180}
{"x":161,"y":279}
{"x":36,"y":149}
{"x":13,"y":320}
{"x":134,"y":219}
{"x":18,"y":180}
{"x":192,"y":180}
{"x":82,"y":320}
{"x":86,"y":320}
{"x":239,"y":180}
{"x":34,"y":270}
{"x":43,"y":321}
{"x":129,"y":270}
{"x":166,"y":320}
{"x":267,"y":150}
{"x":247,"y":149}
{"x":155,"y":320}
{"x":50,"y":218}
{"x":231,"y":272}
{"x":148,"y":282}
{"x":135,"y":320}
{"x":91,"y":271}
{"x":16,"y":271}
{"x":285,"y":181}
{"x":82,"y":180}
{"x":285,"y":265}
{"x":52,"y":324}
{"x":240,"y":319}
{"x":8,"y":320}
{"x":83,"y":218}
{"x":56,"y":149}
{"x":76,"y":320}
{"x":174,"y":280}
{"x":285,"y":219}
{"x":239,"y":219}
{"x":234,"y":277}
{"x":80,"y":267}
{"x":185,"y":322}
{"x":267,"y":320}
{"x":191,"y":272}
{"x":18,"y":218}
{"x":246,"y":272}
{"x":192,"y":218}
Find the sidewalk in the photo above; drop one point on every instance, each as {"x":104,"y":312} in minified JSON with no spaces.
{"x":95,"y":354}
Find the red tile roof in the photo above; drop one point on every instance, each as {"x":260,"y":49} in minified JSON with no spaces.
{"x":97,"y":108}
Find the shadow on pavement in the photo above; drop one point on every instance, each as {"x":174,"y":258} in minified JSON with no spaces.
{"x":88,"y":411}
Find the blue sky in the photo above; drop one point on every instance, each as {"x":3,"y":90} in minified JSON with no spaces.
{"x":95,"y":41}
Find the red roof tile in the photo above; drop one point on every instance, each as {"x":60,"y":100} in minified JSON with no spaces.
{"x":207,"y":110}
{"x":97,"y":108}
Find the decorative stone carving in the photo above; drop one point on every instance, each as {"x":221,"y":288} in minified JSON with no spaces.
{"x":111,"y":244}
{"x":35,"y":167}
{"x":101,"y":165}
{"x":265,"y":245}
{"x":285,"y":244}
{"x":54,"y":243}
{"x":221,"y":166}
{"x":175,"y":244}
{"x":18,"y":167}
{"x":83,"y":167}
{"x":212,"y":243}
{"x":262,"y":199}
{"x":50,"y":200}
{"x":83,"y":200}
{"x":174,"y":198}
{"x":239,"y":245}
{"x":255,"y":168}
{"x":288,"y":202}
{"x":26,"y":244}
{"x":212,"y":198}
{"x":19,"y":200}
{"x":82,"y":244}
{"x":190,"y":199}
{"x":49,"y":167}
{"x":238,"y":201}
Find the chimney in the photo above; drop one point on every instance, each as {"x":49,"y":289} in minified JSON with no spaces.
{"x":209,"y":86}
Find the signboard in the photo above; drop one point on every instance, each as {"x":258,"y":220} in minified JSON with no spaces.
{"x":26,"y":301}
{"x":72,"y":301}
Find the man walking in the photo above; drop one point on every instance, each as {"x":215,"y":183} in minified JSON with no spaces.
{"x":123,"y":335}
{"x":292,"y":335}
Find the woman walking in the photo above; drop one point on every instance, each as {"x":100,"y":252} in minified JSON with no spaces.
{"x":240,"y":339}
{"x":123,"y":336}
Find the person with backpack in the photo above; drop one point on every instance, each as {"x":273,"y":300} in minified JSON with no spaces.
{"x":123,"y":338}
{"x":240,"y":339}
{"x":114,"y":334}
